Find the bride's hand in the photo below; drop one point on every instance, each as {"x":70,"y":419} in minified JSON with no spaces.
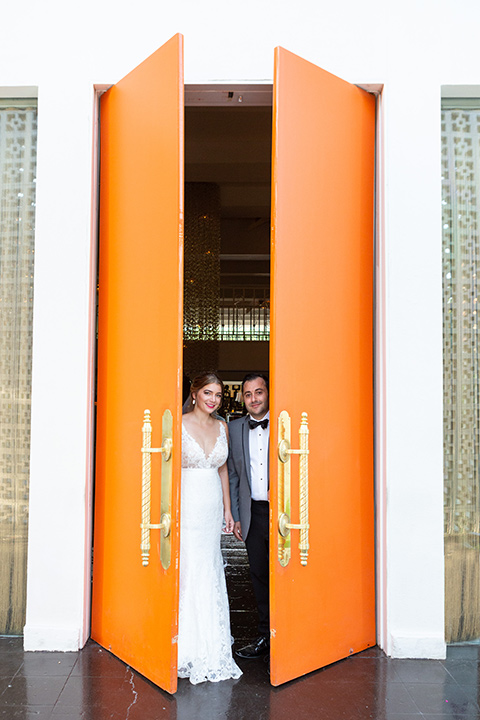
{"x":229,"y":522}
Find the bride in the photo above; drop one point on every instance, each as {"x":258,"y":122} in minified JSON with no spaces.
{"x":204,"y":640}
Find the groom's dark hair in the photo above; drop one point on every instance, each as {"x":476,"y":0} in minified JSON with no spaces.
{"x":253,"y":376}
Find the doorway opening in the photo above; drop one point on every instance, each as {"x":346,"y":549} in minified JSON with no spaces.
{"x":228,"y":138}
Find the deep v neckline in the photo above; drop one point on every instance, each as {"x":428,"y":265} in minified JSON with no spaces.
{"x":207,"y":457}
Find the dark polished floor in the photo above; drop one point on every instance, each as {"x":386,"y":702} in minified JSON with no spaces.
{"x":94,"y":685}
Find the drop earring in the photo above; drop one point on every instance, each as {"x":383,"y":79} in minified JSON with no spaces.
{"x":193,"y":401}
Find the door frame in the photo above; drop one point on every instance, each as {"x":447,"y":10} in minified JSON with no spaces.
{"x":92,"y":366}
{"x":204,"y":94}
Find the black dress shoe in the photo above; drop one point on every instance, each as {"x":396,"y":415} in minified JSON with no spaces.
{"x":259,"y":647}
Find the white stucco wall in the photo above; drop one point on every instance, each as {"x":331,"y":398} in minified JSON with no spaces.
{"x":412,"y":49}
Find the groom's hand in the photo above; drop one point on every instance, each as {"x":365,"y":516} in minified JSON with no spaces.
{"x":237,"y":530}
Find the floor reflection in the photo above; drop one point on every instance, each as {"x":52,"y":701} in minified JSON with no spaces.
{"x":94,"y":685}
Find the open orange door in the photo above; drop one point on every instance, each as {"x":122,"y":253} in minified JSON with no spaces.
{"x":134,"y":613}
{"x":322,"y":364}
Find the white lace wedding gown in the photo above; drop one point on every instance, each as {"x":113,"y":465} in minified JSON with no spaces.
{"x":204,"y":640}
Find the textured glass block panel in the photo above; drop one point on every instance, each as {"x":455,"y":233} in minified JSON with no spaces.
{"x":461,"y":276}
{"x":18,"y":133}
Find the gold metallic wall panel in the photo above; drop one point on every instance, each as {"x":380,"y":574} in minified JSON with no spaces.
{"x":461,"y":278}
{"x":18,"y":154}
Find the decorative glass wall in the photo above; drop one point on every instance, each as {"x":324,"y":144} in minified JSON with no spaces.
{"x":201,"y":277}
{"x":18,"y":133}
{"x":461,"y":277}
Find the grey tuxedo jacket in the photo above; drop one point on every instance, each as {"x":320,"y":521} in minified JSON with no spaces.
{"x":239,"y":472}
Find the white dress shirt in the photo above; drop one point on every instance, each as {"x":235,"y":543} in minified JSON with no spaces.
{"x":258,"y":445}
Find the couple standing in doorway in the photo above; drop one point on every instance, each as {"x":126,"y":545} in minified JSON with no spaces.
{"x":224,"y":482}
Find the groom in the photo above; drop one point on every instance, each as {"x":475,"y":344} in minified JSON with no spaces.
{"x":248,"y":474}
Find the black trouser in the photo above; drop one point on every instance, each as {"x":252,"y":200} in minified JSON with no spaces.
{"x":257,"y":549}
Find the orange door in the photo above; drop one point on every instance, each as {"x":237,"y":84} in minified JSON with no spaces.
{"x":321,"y":362}
{"x":134,"y":610}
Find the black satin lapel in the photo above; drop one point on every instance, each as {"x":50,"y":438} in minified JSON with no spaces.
{"x":268,"y":462}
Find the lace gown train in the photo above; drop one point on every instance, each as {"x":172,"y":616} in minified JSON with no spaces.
{"x":204,"y":639}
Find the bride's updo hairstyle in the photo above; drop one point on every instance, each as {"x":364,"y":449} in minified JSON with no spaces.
{"x":198,"y":383}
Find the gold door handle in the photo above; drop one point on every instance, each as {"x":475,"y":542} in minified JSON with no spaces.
{"x":284,"y":504}
{"x":166,"y":488}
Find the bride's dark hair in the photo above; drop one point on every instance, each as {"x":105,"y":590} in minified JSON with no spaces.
{"x":198,"y":383}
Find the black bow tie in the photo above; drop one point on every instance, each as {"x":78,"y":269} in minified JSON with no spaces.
{"x":255,"y":423}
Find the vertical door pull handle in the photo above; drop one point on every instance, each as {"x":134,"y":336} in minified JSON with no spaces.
{"x":284,"y":497}
{"x":166,"y":488}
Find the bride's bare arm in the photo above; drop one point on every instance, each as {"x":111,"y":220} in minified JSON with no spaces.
{"x":223,"y":472}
